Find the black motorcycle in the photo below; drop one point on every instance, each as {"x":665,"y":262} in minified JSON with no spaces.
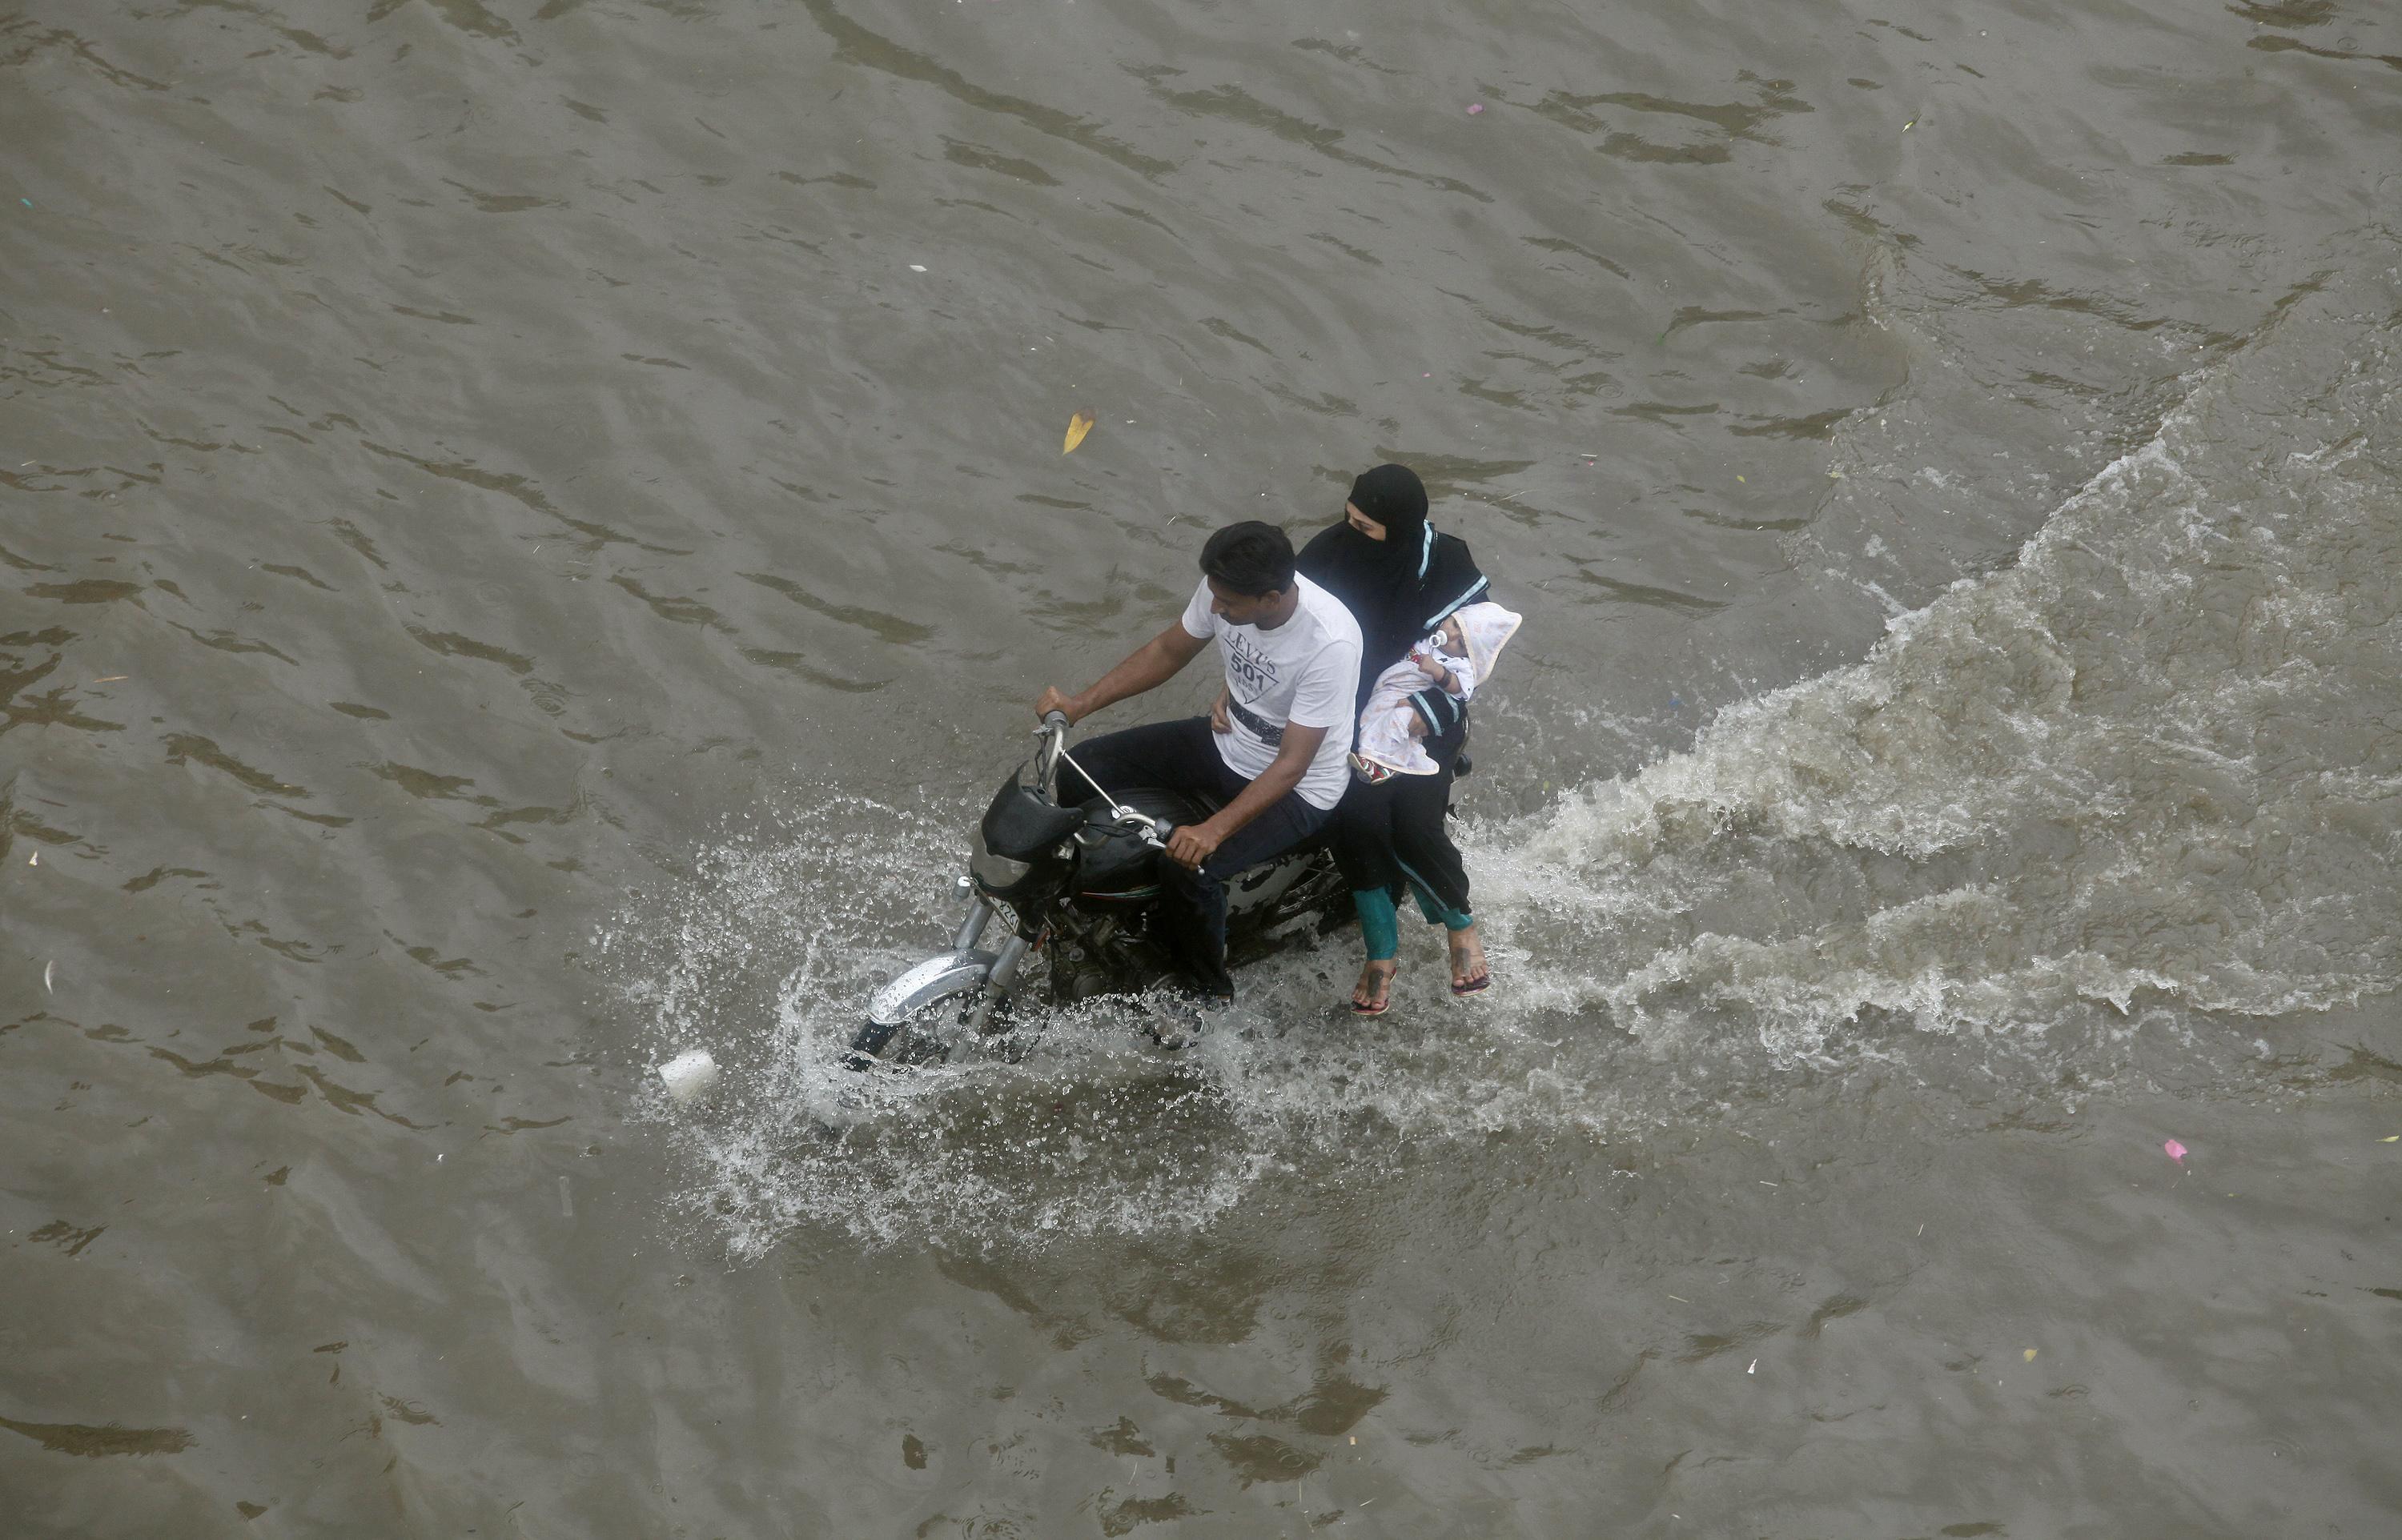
{"x":1079,"y":887}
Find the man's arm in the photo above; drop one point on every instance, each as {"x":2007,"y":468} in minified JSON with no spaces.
{"x":1194,"y":842}
{"x":1147,"y":667}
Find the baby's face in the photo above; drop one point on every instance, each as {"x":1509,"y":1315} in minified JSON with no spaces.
{"x":1454,"y":639}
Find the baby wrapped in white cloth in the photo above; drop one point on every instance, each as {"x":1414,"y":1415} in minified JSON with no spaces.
{"x":1424,"y":693}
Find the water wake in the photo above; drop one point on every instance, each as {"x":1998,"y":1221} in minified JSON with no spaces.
{"x":2145,"y":764}
{"x":2120,"y":806}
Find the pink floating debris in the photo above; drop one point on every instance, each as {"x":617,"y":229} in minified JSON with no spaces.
{"x":1475,"y":107}
{"x":2175,"y":1152}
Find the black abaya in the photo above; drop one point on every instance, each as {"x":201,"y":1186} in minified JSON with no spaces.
{"x":1399,"y":588}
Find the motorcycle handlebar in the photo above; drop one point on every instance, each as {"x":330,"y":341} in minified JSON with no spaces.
{"x":1054,"y":724}
{"x":1054,"y":733}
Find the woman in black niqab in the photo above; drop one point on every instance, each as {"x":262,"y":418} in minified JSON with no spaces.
{"x":1400,"y":579}
{"x":1400,"y":583}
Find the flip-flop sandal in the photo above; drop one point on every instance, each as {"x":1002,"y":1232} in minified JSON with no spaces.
{"x":1383,"y":1002}
{"x":1476,"y":985}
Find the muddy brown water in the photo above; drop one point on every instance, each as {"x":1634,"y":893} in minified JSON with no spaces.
{"x":527,"y":531}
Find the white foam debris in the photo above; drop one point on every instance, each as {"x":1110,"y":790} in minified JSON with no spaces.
{"x":688,"y":1075}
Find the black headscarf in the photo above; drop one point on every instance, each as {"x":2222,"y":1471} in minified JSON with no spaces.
{"x":1394,"y":496}
{"x":1398,"y":588}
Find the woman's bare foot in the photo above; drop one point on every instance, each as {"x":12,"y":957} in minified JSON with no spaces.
{"x":1375,"y":990}
{"x":1469,"y":972}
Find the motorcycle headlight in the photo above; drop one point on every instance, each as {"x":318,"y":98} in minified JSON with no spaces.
{"x":995,"y":874}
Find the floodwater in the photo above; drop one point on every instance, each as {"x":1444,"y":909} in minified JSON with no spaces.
{"x":528,"y":528}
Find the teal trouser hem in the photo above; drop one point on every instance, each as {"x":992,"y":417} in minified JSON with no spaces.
{"x":1450,"y":919}
{"x":1380,"y":919}
{"x":1435,"y":909}
{"x":1380,"y":923}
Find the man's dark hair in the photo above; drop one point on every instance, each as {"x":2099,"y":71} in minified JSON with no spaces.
{"x":1250,"y":558}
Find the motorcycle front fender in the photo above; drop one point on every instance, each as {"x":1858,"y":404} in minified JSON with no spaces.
{"x":927,"y":983}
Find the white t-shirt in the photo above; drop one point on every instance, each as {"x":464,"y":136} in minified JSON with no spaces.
{"x":1304,"y":672}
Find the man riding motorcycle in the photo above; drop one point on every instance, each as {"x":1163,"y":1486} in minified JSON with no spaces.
{"x":1291,"y":657}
